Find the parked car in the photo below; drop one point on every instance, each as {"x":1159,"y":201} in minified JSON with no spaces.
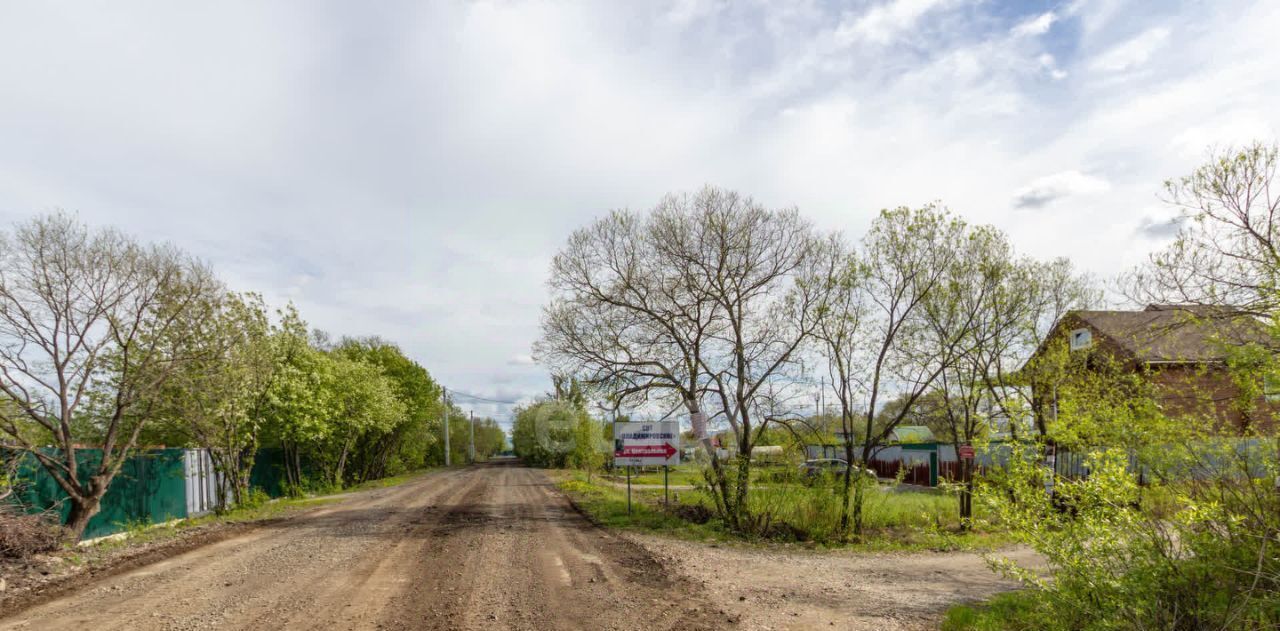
{"x":830,"y":466}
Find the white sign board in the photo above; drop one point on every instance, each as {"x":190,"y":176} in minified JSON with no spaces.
{"x":646,"y":444}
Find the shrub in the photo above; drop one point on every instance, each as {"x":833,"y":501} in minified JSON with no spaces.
{"x":255,"y":498}
{"x":1201,"y":554}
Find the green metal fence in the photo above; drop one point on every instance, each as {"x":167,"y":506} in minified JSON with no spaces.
{"x":151,"y":487}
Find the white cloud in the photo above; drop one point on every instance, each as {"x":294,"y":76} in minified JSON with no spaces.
{"x":1132,"y":53}
{"x":1050,"y":188}
{"x":683,"y":12}
{"x":884,"y":22}
{"x":1160,"y":228}
{"x":1050,"y":65}
{"x":1038,"y":25}
{"x":521,"y":360}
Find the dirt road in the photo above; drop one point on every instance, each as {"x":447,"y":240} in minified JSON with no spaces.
{"x":491,"y":547}
{"x":498,"y":547}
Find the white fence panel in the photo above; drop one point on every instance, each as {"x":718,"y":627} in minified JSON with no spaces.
{"x":202,"y":482}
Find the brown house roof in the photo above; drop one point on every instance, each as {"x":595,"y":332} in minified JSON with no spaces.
{"x":1176,"y":333}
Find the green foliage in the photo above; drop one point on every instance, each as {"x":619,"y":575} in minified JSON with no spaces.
{"x":1014,"y":611}
{"x":1103,"y":403}
{"x":409,"y":442}
{"x":558,"y":433}
{"x":1197,"y":551}
{"x":255,"y":498}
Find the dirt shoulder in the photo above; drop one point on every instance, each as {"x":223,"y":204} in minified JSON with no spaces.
{"x":776,"y":587}
{"x":797,"y":586}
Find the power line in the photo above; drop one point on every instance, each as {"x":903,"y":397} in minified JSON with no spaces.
{"x":458,"y":393}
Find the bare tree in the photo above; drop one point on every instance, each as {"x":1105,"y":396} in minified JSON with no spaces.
{"x":627,"y":321}
{"x":697,"y":299}
{"x":1227,"y":251}
{"x":839,"y":339}
{"x":883,"y":346}
{"x":83,"y":319}
{"x":755,"y":265}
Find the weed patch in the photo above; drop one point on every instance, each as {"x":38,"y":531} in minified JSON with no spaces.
{"x":797,"y":513}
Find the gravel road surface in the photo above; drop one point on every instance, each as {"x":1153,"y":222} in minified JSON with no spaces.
{"x":499,"y":547}
{"x":488,"y":547}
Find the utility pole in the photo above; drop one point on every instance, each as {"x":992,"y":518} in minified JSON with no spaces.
{"x":472,"y":449}
{"x":446,"y":427}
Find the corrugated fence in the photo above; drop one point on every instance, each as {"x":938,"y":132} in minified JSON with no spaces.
{"x":154,"y":486}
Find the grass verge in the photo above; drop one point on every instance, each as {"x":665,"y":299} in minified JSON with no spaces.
{"x":1012,"y":611}
{"x":895,"y":520}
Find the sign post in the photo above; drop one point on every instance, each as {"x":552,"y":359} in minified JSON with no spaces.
{"x":646,"y":445}
{"x":965,"y":452}
{"x":666,"y":487}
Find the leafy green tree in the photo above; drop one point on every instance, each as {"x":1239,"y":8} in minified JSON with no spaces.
{"x":1175,"y":526}
{"x":490,"y":438}
{"x":407,"y":445}
{"x":366,"y":407}
{"x":299,"y":405}
{"x":215,"y":399}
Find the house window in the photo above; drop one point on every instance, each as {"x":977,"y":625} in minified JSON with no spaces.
{"x":1081,"y":338}
{"x":1271,"y":387}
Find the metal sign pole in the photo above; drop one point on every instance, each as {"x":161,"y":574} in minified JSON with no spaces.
{"x":666,"y":486}
{"x":628,"y":489}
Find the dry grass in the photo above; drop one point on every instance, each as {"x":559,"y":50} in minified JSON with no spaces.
{"x":22,"y":535}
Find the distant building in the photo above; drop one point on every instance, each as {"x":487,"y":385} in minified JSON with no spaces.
{"x":1182,"y":350}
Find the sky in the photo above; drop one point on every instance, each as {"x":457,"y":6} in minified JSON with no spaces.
{"x":409,"y":169}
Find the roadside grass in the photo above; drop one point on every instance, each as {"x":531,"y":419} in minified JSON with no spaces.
{"x":681,"y":475}
{"x":1010,"y":611}
{"x":894,"y":519}
{"x":607,"y":506}
{"x":395,"y":480}
{"x":692,"y":474}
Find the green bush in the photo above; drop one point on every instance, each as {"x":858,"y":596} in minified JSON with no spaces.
{"x":1199,"y":553}
{"x":255,"y":498}
{"x":1014,"y":611}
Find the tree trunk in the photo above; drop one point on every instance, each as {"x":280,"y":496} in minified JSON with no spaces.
{"x":342,"y":461}
{"x":857,"y":511}
{"x":293,"y":469}
{"x":220,"y":467}
{"x":845,"y":486}
{"x":82,"y":510}
{"x":741,"y":513}
{"x":717,"y":479}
